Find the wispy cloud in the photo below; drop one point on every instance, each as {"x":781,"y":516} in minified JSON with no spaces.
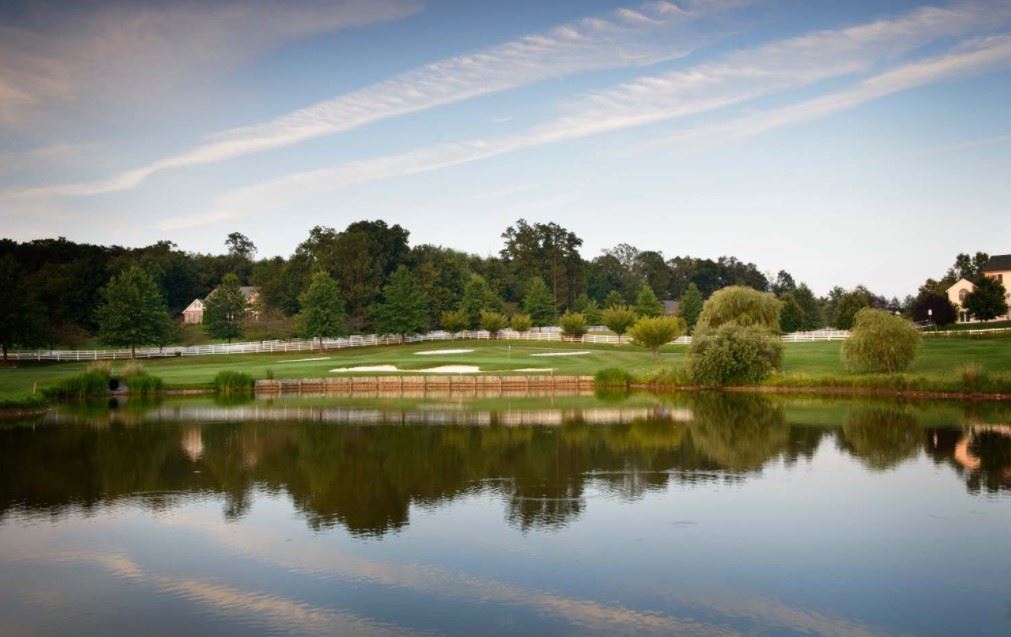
{"x":71,"y":53}
{"x":733,"y":79}
{"x":626,"y":37}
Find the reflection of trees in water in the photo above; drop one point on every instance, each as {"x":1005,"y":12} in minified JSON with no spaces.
{"x":740,"y":432}
{"x":980,"y":453}
{"x":366,"y":478}
{"x":881,"y":437}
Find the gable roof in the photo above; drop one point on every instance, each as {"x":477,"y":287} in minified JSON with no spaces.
{"x":998,"y":263}
{"x":962,"y":283}
{"x":249,"y":290}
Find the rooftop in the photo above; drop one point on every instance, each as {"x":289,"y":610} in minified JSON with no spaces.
{"x":998,"y":263}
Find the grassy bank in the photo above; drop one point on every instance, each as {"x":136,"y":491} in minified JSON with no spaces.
{"x":939,"y":367}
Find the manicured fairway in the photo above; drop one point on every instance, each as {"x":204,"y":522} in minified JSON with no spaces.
{"x":940,"y":358}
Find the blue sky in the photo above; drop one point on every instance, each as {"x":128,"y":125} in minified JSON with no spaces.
{"x":855,"y":142}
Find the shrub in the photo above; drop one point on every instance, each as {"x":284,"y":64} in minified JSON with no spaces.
{"x":101,"y":367}
{"x":880,"y":342}
{"x":612,"y":377}
{"x":573,"y":324}
{"x":521,"y":322}
{"x":974,"y":377}
{"x":654,"y":331}
{"x":144,"y":384}
{"x":740,"y":305}
{"x":618,"y":318}
{"x":132,"y":368}
{"x":455,"y":320}
{"x":733,"y":354}
{"x":231,"y":382}
{"x":269,"y":374}
{"x":89,"y":384}
{"x":494,"y":322}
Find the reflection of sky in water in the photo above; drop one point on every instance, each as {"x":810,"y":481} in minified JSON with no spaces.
{"x":830,"y":544}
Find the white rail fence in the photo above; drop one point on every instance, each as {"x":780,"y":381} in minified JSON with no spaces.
{"x":372,"y":340}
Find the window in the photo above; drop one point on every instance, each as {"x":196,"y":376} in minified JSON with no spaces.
{"x":1000,"y":277}
{"x":962,"y":294}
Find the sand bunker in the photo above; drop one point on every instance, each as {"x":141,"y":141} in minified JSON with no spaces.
{"x":443,"y":351}
{"x":368,"y":368}
{"x":305,"y":360}
{"x":452,"y":369}
{"x":580,"y":353}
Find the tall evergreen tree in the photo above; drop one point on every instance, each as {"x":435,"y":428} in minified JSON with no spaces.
{"x":22,"y":317}
{"x":478,"y":297}
{"x":322,"y":314}
{"x":646,"y":303}
{"x":133,"y":312}
{"x":539,"y":303}
{"x":614,"y":298}
{"x":225,"y":309}
{"x":404,"y":308}
{"x":691,"y":305}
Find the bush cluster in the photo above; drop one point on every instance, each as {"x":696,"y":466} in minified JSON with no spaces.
{"x":734,"y":355}
{"x":232,"y":382}
{"x":880,"y":342}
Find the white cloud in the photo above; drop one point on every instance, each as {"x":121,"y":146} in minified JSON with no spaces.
{"x":623,"y":38}
{"x":735,"y":78}
{"x":129,"y":52}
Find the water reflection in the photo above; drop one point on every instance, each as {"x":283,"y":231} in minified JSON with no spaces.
{"x":362,"y":467}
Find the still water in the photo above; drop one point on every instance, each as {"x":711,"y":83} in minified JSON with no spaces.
{"x":696,"y":515}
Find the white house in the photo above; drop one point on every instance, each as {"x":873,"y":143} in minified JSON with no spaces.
{"x":194,"y":312}
{"x":998,"y":267}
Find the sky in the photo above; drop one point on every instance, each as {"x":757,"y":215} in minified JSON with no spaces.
{"x":845,"y":142}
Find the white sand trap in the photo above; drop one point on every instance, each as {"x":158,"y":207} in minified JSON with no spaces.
{"x":368,"y":368}
{"x":580,"y":353}
{"x":305,"y":360}
{"x":452,"y":369}
{"x":533,"y":369}
{"x":432,"y":352}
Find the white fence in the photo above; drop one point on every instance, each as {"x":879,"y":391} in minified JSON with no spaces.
{"x":372,"y":340}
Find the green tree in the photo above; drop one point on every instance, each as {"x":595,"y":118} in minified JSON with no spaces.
{"x":225,"y":309}
{"x":521,"y":323}
{"x":493,"y":322}
{"x":619,"y":318}
{"x":404,"y":309}
{"x":988,"y":299}
{"x":613,"y":299}
{"x":849,"y":304}
{"x":455,"y":321}
{"x":22,"y":317}
{"x":880,"y":342}
{"x":646,"y":303}
{"x":573,"y":324}
{"x":810,"y":308}
{"x":691,"y":305}
{"x":539,"y":303}
{"x":791,"y":317}
{"x":652,"y":332}
{"x":741,"y":306}
{"x":588,"y":308}
{"x":933,"y":307}
{"x":132,"y":312}
{"x":322,"y":314}
{"x":733,"y":354}
{"x":478,"y":297}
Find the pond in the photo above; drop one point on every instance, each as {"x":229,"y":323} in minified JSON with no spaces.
{"x":688,"y":514}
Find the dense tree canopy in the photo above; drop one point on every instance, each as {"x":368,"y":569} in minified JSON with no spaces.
{"x":988,"y":299}
{"x":225,"y":309}
{"x":404,"y":308}
{"x":322,"y":314}
{"x":132,"y":311}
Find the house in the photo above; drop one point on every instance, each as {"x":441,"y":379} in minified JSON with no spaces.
{"x":194,"y":312}
{"x":671,"y":308}
{"x":998,"y":267}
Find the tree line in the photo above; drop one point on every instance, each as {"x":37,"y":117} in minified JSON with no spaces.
{"x":368,"y":278}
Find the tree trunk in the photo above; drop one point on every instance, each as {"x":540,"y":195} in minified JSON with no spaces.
{"x":321,"y":344}
{"x":5,"y":353}
{"x":133,"y":352}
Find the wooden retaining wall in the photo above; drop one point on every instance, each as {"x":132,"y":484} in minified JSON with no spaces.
{"x":421,"y":385}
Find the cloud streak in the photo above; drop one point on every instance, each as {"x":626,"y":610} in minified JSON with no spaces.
{"x":737,"y":77}
{"x":626,"y":37}
{"x":132,"y":52}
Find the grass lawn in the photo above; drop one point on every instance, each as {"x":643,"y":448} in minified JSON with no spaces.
{"x":939,"y":359}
